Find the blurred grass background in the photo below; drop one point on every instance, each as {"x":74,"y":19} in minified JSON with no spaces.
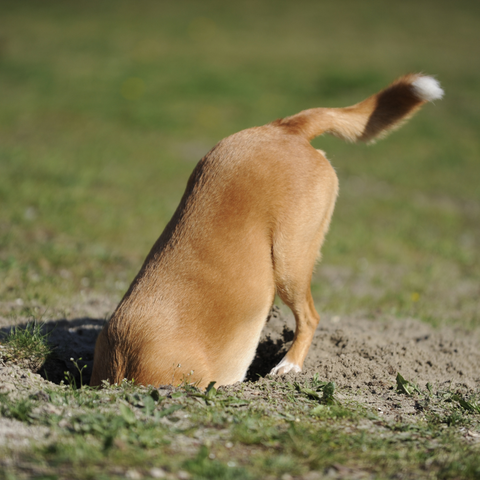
{"x":106,"y":106}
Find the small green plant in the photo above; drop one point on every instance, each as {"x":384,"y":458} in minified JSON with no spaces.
{"x":469,"y":406}
{"x":209,"y":395}
{"x":405,"y":386}
{"x":27,"y":345}
{"x":70,"y":378}
{"x":327,"y":390}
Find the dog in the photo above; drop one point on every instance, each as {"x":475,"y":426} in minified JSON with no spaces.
{"x":249,"y":226}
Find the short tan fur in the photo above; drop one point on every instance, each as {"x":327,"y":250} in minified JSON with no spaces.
{"x":250,"y":225}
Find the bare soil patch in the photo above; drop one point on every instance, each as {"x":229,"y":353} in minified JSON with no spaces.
{"x":361,"y":356}
{"x":358,"y":352}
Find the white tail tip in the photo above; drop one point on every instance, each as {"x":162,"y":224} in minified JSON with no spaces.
{"x":427,"y":88}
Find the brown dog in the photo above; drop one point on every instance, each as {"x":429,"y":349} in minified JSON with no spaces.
{"x":250,"y":225}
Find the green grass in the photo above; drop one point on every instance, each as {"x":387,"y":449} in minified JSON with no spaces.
{"x":26,"y":345}
{"x":279,"y":430}
{"x":106,"y":107}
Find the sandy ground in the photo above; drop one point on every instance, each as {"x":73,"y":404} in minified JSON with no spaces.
{"x":352,"y":351}
{"x":357,"y":352}
{"x":361,"y":356}
{"x":364,"y":356}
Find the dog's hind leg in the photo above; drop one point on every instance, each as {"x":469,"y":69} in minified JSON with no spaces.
{"x":307,"y":319}
{"x":295,"y":250}
{"x":293,"y":274}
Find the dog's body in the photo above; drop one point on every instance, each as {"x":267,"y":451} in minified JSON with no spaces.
{"x":250,"y":225}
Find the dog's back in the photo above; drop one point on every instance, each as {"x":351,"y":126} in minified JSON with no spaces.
{"x":250,"y":224}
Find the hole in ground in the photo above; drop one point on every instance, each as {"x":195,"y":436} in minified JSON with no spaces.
{"x":75,"y":339}
{"x":70,"y":339}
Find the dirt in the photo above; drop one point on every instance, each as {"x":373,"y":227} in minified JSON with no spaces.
{"x":357,"y":352}
{"x":19,"y":383}
{"x":361,"y":356}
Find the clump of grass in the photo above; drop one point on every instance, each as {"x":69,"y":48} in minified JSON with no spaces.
{"x":19,"y":410}
{"x":27,"y":345}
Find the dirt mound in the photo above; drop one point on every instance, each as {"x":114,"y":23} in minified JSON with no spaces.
{"x":357,"y":352}
{"x":352,"y":351}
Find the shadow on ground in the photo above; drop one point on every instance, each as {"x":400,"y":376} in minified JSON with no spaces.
{"x":71,"y":339}
{"x":269,"y":353}
{"x":73,"y":343}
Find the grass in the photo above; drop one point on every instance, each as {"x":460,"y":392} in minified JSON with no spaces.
{"x":26,"y":345}
{"x":107,"y":105}
{"x":273,"y":429}
{"x":106,"y":100}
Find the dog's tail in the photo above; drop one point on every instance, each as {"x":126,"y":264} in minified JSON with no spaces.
{"x":370,"y":119}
